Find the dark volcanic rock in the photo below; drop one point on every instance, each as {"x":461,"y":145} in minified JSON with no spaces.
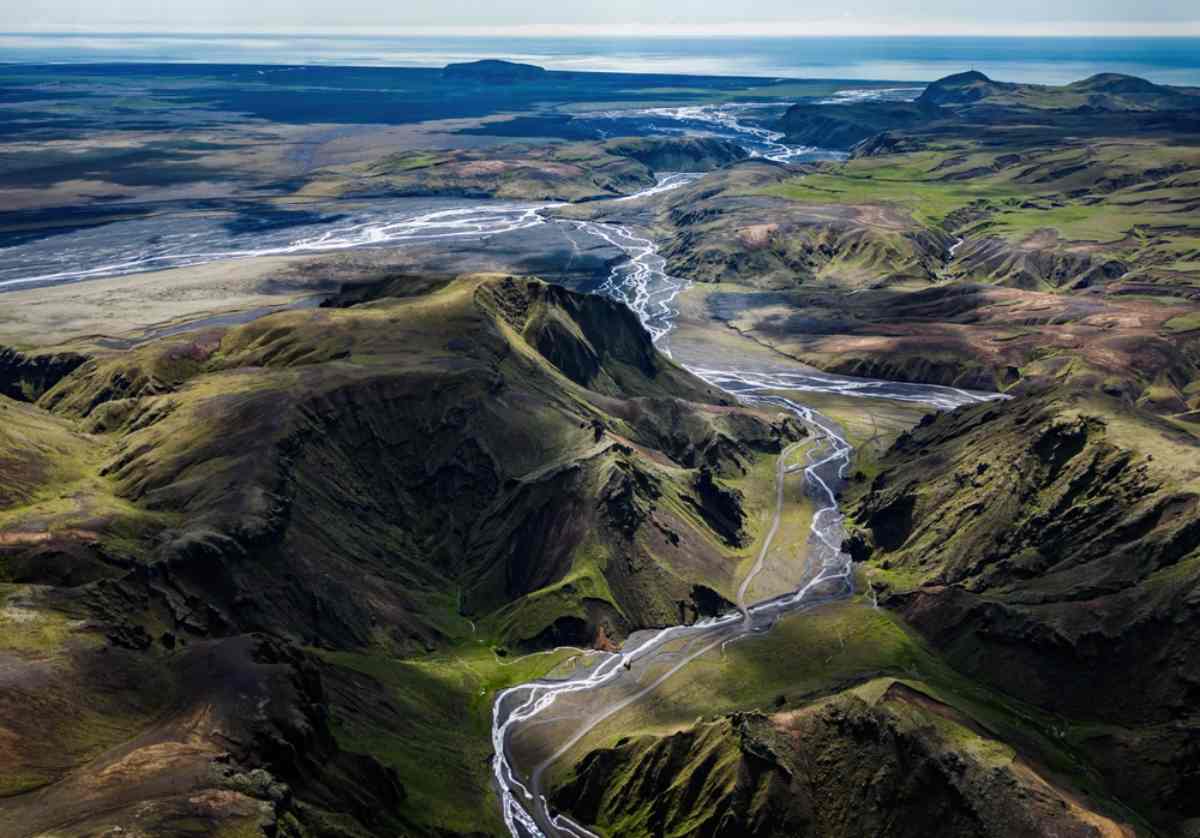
{"x":844,"y":126}
{"x":721,"y":507}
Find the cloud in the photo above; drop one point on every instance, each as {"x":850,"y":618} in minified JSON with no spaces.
{"x":588,"y":18}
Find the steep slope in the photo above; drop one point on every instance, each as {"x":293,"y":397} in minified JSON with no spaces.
{"x":886,"y":759}
{"x":1051,"y":546}
{"x":27,"y":377}
{"x":455,"y":467}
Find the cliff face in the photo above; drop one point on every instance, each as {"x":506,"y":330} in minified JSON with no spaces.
{"x":1051,"y":546}
{"x":26,"y":377}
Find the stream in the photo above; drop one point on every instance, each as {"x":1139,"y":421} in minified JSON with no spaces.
{"x":613,"y":682}
{"x":640,"y":281}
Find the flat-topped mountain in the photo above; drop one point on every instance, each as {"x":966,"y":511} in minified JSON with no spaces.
{"x":494,"y":70}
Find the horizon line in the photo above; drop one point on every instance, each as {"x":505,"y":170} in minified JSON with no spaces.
{"x":779,"y":29}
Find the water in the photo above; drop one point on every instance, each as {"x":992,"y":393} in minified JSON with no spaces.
{"x":595,"y":694}
{"x":642,"y":283}
{"x":150,"y":244}
{"x":198,"y":237}
{"x":591,"y":696}
{"x":1042,"y":60}
{"x":743,"y":122}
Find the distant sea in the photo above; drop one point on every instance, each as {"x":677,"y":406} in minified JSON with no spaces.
{"x":1047,"y":60}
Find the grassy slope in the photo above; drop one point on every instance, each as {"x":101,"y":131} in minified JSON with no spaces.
{"x":1040,"y":190}
{"x":440,"y":740}
{"x":827,"y":651}
{"x":1033,"y":532}
{"x":184,"y":451}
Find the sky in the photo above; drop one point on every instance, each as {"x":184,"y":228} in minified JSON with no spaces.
{"x":611,"y":17}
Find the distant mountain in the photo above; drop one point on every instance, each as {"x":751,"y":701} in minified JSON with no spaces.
{"x":962,"y":88}
{"x":843,"y":126}
{"x":972,"y":98}
{"x":1105,"y":91}
{"x":494,"y":71}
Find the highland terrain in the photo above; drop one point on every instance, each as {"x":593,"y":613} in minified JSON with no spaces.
{"x":276,"y":531}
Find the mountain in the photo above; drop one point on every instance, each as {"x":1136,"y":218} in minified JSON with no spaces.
{"x":962,"y":88}
{"x":971,"y":104}
{"x":1104,"y":91}
{"x":886,"y":759}
{"x":493,"y":71}
{"x":204,"y":539}
{"x":1048,"y":546}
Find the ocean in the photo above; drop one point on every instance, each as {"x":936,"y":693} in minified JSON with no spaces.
{"x":1045,"y":60}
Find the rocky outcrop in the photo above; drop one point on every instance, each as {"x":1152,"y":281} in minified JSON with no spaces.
{"x":25,"y":377}
{"x":720,"y":506}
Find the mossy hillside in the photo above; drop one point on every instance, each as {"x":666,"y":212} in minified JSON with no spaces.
{"x":191,"y":739}
{"x":37,"y":453}
{"x":828,"y":650}
{"x":741,"y":225}
{"x":354,"y":477}
{"x":359,"y":448}
{"x":29,"y":630}
{"x":1183,"y":323}
{"x":67,"y":698}
{"x":1034,"y":531}
{"x":794,"y":772}
{"x":435,"y":728}
{"x":911,"y":181}
{"x":869,"y":289}
{"x":649,"y":556}
{"x":61,"y":521}
{"x":1103,"y":191}
{"x":105,"y":388}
